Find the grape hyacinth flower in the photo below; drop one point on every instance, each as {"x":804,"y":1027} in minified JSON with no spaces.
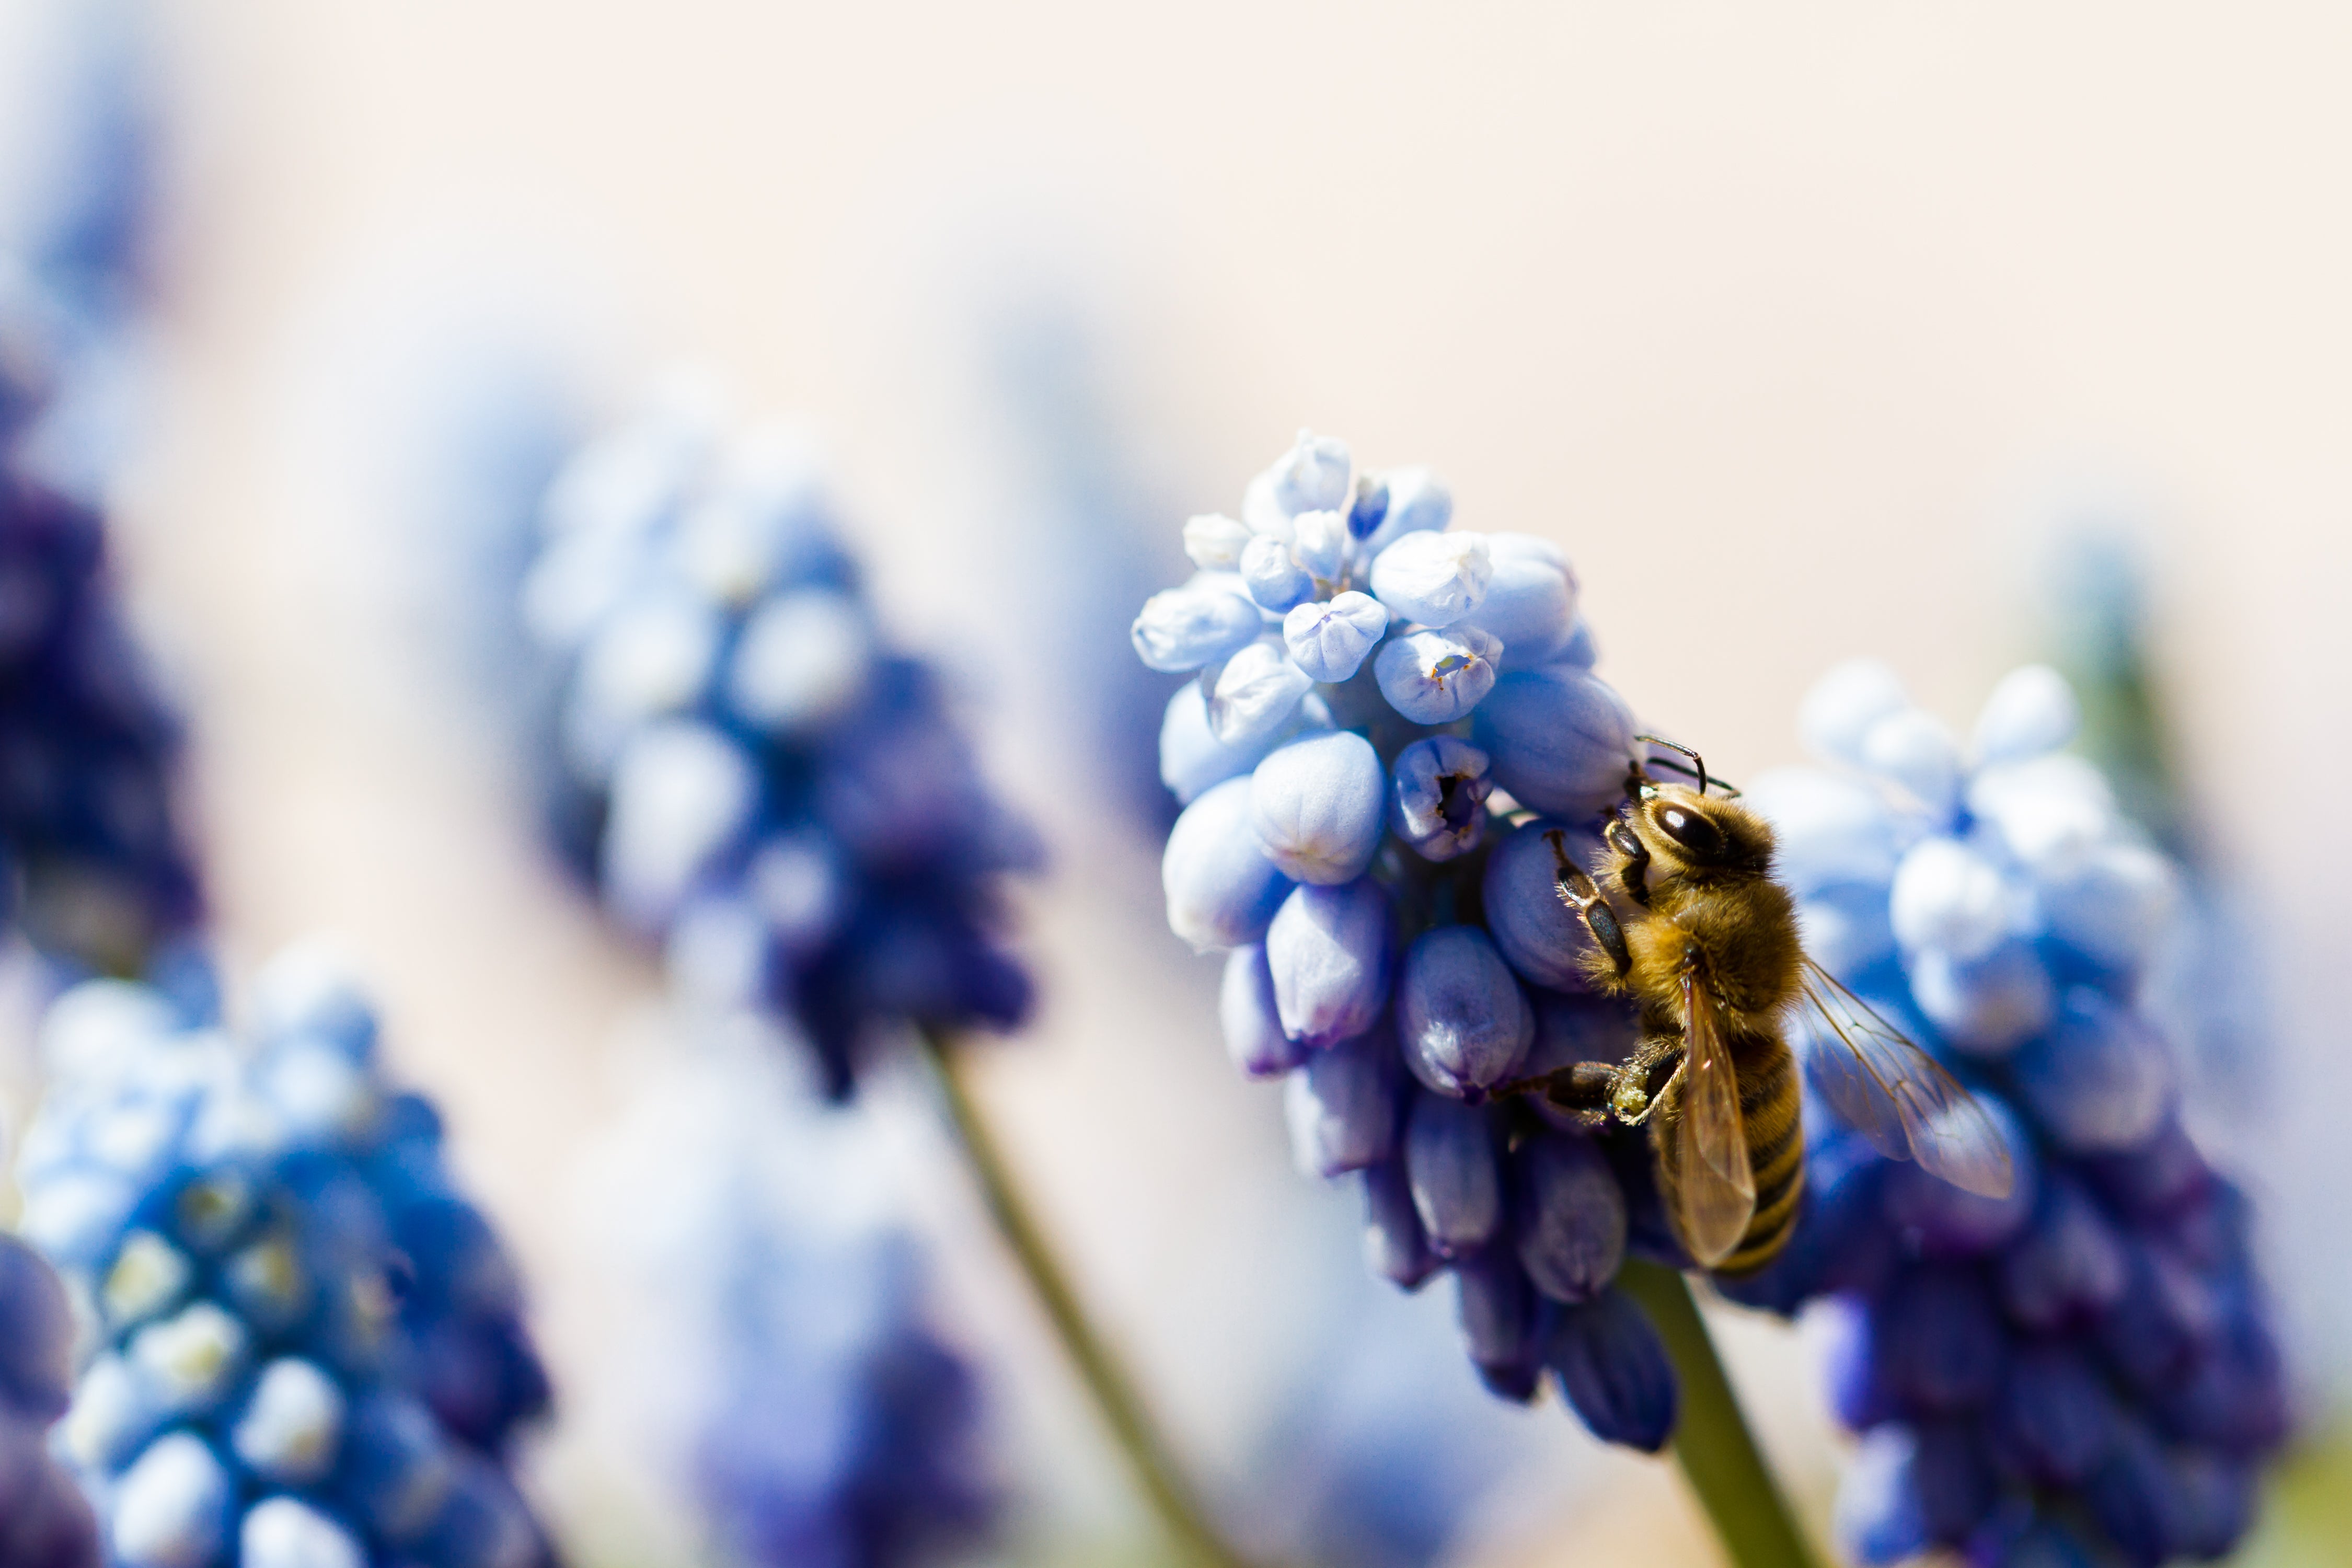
{"x":751,"y":776}
{"x":2087,"y":1370}
{"x":795,"y":1387}
{"x":44,"y":1520}
{"x":1390,"y":716}
{"x":97,"y":873}
{"x":305,"y":1348}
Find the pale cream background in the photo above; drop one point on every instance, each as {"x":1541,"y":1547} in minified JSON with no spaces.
{"x":1782,"y":320}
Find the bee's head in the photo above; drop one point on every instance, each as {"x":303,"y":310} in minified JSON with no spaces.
{"x":1700,"y":833}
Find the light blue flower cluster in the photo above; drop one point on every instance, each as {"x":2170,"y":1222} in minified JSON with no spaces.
{"x":44,"y":1520}
{"x":95,"y":868}
{"x":304,"y":1348}
{"x":1389,"y":719}
{"x":750,"y":774}
{"x":2085,"y":1372}
{"x":796,"y":1384}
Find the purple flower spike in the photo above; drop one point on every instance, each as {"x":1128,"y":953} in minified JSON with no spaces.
{"x":1390,"y":956}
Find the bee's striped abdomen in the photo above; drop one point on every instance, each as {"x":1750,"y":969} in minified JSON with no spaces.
{"x":1771,"y":1108}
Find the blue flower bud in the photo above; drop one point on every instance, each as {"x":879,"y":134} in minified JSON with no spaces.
{"x":1457,"y":1185}
{"x":1317,"y":805}
{"x":36,"y":1348}
{"x":2233,"y":1396}
{"x":1939,"y":1341}
{"x":683,"y":796}
{"x":1541,"y":936}
{"x":2047,"y":812}
{"x":804,"y":657}
{"x":1245,"y":1006}
{"x":1437,"y":804}
{"x":282,"y":1533}
{"x":1434,"y":678}
{"x":2100,"y":1081}
{"x":653,"y":658}
{"x":1191,"y":759}
{"x":1571,"y":1215}
{"x":1833,"y":830}
{"x":2113,"y":906}
{"x":1273,"y":575}
{"x":171,"y":1509}
{"x":1328,"y":638}
{"x":192,"y":1361}
{"x":2212,"y":1503}
{"x":1312,"y":475}
{"x":1410,"y":500}
{"x":1222,"y":889}
{"x":1319,"y":543}
{"x":2133,"y":1497}
{"x":1463,"y":1021}
{"x":1505,"y":1327}
{"x":2157,"y":1179}
{"x":1255,"y":694}
{"x":2032,"y":710}
{"x":292,"y":1424}
{"x":2054,"y":1417}
{"x":1990,"y":1006}
{"x":1613,"y":1371}
{"x":1435,"y":579}
{"x":1214,"y":542}
{"x":1853,"y":1370}
{"x":1911,"y":1487}
{"x":1559,"y":740}
{"x":1327,"y":949}
{"x":1394,"y":1247}
{"x":1915,"y":750}
{"x":1208,"y":618}
{"x":2068,"y":1268}
{"x":1837,"y":714}
{"x":1949,"y":898}
{"x":1342,"y":1106}
{"x":1530,"y":600}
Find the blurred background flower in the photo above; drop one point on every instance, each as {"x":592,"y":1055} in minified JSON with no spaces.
{"x":749,"y":773}
{"x":2090,"y":1365}
{"x":785,"y":1374}
{"x":304,"y":1345}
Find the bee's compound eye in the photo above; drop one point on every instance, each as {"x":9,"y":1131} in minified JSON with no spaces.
{"x":1689,"y":829}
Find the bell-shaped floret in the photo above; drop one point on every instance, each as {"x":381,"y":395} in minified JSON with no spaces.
{"x":1328,"y":638}
{"x":1222,"y":889}
{"x":1464,"y":1023}
{"x":1317,"y":805}
{"x":1559,"y":739}
{"x":1435,"y":579}
{"x":1436,"y":677}
{"x":1437,"y":803}
{"x":1327,"y":949}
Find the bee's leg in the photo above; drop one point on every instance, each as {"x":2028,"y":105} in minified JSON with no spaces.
{"x":1634,"y":1088}
{"x":1578,"y":891}
{"x":1581,"y":1089}
{"x":1635,"y":877}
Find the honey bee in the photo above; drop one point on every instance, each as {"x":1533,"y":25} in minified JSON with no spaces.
{"x":1687,"y":920}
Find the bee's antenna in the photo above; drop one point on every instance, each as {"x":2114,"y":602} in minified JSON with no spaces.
{"x":1685,"y":750}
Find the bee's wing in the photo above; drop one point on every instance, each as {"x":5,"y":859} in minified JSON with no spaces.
{"x":1896,"y":1095}
{"x":1716,"y":1191}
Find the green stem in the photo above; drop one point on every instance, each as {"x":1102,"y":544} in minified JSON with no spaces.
{"x":1122,"y":1409}
{"x":1716,"y":1451}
